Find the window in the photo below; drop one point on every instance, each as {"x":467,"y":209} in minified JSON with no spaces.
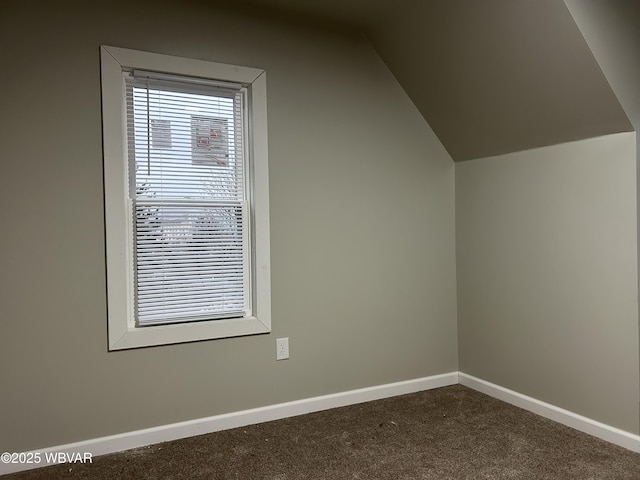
{"x":186,"y":199}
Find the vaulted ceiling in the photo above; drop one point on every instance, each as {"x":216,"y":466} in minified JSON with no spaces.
{"x":489,"y":76}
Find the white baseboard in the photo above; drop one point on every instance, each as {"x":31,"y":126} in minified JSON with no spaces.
{"x":175,"y":431}
{"x":565,"y":417}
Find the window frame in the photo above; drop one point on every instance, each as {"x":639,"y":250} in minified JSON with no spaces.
{"x":122,"y":330}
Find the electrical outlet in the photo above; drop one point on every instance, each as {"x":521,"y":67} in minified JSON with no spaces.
{"x":282,"y":348}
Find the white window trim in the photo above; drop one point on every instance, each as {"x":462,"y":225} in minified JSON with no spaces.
{"x":123,"y":333}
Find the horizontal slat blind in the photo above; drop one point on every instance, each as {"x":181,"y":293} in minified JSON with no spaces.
{"x":187,"y":190}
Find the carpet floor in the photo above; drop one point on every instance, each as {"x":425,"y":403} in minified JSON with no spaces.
{"x":446,"y":433}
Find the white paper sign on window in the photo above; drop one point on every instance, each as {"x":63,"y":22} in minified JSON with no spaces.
{"x":210,"y":140}
{"x":160,"y":134}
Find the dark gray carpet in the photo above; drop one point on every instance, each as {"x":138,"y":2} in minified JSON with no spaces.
{"x":446,"y":433}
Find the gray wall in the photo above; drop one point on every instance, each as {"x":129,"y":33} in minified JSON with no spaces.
{"x":612,"y":31}
{"x":546,"y":262}
{"x":362,"y":222}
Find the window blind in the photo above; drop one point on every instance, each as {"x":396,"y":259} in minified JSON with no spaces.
{"x":188,"y":199}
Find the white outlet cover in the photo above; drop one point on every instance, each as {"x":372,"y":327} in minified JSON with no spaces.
{"x":282,"y":348}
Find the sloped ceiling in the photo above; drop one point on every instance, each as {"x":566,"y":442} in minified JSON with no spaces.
{"x":489,"y":76}
{"x":612,"y":30}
